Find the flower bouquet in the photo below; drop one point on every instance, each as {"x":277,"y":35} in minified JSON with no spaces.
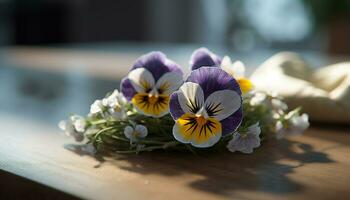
{"x":215,"y":108}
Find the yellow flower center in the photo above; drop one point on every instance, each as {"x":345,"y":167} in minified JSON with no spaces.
{"x":201,"y":120}
{"x":135,"y":134}
{"x":152,"y":99}
{"x":117,"y":109}
{"x":151,"y":104}
{"x":197,"y":128}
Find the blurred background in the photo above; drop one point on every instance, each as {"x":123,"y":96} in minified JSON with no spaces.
{"x":242,"y":25}
{"x":57,"y":56}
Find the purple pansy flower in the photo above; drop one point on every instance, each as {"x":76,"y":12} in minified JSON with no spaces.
{"x":206,"y":107}
{"x":150,"y":82}
{"x":203,"y":57}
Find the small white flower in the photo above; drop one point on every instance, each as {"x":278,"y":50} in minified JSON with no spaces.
{"x":115,"y":104}
{"x":258,"y":99}
{"x":116,"y":98}
{"x":132,"y":134}
{"x":277,"y":104}
{"x":74,"y":126}
{"x":272,"y":101}
{"x":295,"y":125}
{"x":96,"y":107}
{"x":280,"y":130}
{"x":117,"y":112}
{"x":79,"y":123}
{"x":236,"y":69}
{"x":298,"y":124}
{"x":245,"y":143}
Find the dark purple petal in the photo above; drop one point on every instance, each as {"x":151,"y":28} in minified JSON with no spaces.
{"x":203,"y":57}
{"x":231,"y":123}
{"x":127,"y":89}
{"x":212,"y":79}
{"x":157,"y":63}
{"x":174,"y":106}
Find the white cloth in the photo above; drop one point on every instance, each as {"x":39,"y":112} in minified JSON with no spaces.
{"x":323,"y":93}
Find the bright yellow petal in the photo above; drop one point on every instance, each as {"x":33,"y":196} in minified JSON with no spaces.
{"x":245,"y":84}
{"x":191,"y":129}
{"x":151,"y":106}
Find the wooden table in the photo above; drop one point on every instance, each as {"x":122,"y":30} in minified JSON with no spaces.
{"x":38,"y":162}
{"x":313,"y":166}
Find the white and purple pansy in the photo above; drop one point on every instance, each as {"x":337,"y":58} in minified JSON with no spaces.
{"x":150,"y":82}
{"x":203,"y":57}
{"x":206,"y":107}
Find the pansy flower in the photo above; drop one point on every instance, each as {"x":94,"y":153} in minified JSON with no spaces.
{"x":247,"y":141}
{"x":202,"y":57}
{"x":206,"y":107}
{"x":150,"y":82}
{"x":133,"y":133}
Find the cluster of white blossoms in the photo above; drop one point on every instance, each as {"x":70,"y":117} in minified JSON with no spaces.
{"x":285,"y":123}
{"x":270,"y":100}
{"x":113,"y":105}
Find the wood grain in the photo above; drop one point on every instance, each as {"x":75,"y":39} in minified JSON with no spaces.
{"x":312,"y":166}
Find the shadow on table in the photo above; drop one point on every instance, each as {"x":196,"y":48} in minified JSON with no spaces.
{"x":15,"y":187}
{"x":265,"y":170}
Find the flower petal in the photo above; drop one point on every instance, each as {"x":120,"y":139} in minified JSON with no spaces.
{"x":254,"y":129}
{"x":231,"y":123}
{"x":153,"y":108}
{"x":117,"y":113}
{"x":169,"y":82}
{"x":128,"y":131}
{"x":223,"y":103}
{"x":157,"y":64}
{"x":279,"y":130}
{"x":212,"y":79}
{"x":236,"y":69}
{"x":203,"y":57}
{"x":141,"y":79}
{"x":96,"y":107}
{"x":80,"y":125}
{"x":127,"y":89}
{"x":62,"y":125}
{"x":187,"y":130}
{"x":190,"y":97}
{"x":246,"y":143}
{"x":141,"y":130}
{"x":175,"y":107}
{"x":245,"y":84}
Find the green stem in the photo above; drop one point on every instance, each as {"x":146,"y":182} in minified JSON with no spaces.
{"x":120,"y":138}
{"x":102,"y":131}
{"x":101,"y":121}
